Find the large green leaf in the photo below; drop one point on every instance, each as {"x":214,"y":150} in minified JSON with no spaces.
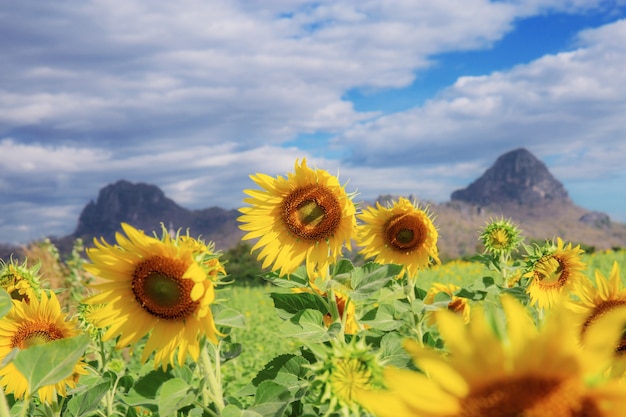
{"x":229,"y":317}
{"x":174,"y":395}
{"x":308,"y":325}
{"x":292,"y":303}
{"x":51,"y":362}
{"x":371,"y":277}
{"x":271,"y":399}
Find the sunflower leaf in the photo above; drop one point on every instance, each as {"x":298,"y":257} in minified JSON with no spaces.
{"x":87,"y":401}
{"x":5,"y":302}
{"x":51,"y":362}
{"x":174,"y":395}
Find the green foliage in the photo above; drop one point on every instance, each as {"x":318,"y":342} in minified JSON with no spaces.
{"x":243,"y":266}
{"x":278,"y":337}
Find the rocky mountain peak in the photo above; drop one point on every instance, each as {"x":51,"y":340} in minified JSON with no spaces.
{"x":137,"y":204}
{"x":516,"y":178}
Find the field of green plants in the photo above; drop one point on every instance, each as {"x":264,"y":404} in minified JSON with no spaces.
{"x":261,"y":335}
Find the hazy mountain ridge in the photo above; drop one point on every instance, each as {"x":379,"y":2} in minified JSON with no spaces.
{"x":517,"y":186}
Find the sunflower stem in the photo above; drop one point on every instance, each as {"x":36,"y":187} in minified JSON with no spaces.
{"x":215,"y":393}
{"x":4,"y":406}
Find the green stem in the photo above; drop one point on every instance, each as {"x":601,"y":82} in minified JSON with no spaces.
{"x":213,"y":376}
{"x":26,"y":404}
{"x":4,"y":406}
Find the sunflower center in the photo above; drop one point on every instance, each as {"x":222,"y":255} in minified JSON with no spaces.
{"x":159,"y":286}
{"x":348,"y":377}
{"x":312,"y":213}
{"x":456,"y":305}
{"x":551,"y":272}
{"x":35,"y":333}
{"x":529,"y":396}
{"x":499,"y":239}
{"x":405,"y":232}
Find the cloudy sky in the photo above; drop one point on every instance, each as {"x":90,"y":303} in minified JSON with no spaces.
{"x":397,"y":97}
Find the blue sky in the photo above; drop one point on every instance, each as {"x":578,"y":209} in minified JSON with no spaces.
{"x":404,"y":97}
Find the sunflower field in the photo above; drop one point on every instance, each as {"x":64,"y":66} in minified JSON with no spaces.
{"x":157,"y":326}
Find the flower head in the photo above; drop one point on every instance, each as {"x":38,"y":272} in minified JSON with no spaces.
{"x":344,"y":372}
{"x":306,"y":217}
{"x":400,"y":234}
{"x":500,"y":236}
{"x":20,"y":281}
{"x":162,"y":287}
{"x":529,"y":372}
{"x":553,"y":270}
{"x":593,"y":302}
{"x":455,"y":304}
{"x":30,"y":323}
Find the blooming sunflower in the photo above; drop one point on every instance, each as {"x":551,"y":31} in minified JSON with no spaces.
{"x":400,"y":234}
{"x":531,"y":372}
{"x":456,"y":304}
{"x":593,"y":302}
{"x":21,"y":282}
{"x":307,"y":216}
{"x":553,"y":270}
{"x":500,"y":236}
{"x":164,"y":287}
{"x":30,"y":323}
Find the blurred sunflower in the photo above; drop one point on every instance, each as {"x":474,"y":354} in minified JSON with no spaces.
{"x":529,"y":373}
{"x":593,"y":302}
{"x":456,"y":304}
{"x":307,"y":217}
{"x":553,"y":270}
{"x":20,"y":281}
{"x":30,"y":323}
{"x":164,"y":287}
{"x":343,"y":371}
{"x":401,"y":234}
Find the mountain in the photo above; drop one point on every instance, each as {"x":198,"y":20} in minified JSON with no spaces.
{"x":516,"y":178}
{"x":517,"y":186}
{"x":146,"y":207}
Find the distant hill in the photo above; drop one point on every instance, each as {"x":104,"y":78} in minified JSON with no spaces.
{"x":517,"y":186}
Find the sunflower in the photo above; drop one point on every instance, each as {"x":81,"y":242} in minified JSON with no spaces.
{"x":307,"y":217}
{"x":500,"y":236}
{"x":164,"y":287}
{"x":456,"y":304}
{"x":342,"y":371}
{"x":593,"y":302}
{"x":400,"y":234}
{"x":30,"y":323}
{"x":21,"y":282}
{"x":553,"y":270}
{"x":530,"y":372}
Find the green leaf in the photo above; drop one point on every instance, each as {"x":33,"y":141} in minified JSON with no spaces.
{"x":229,"y":317}
{"x":233,"y":411}
{"x":271,"y":399}
{"x":5,"y":303}
{"x":86,"y":402}
{"x":175,"y":394}
{"x":293,"y":303}
{"x":144,"y":392}
{"x":307,"y":325}
{"x":343,"y":266}
{"x":371,"y":277}
{"x":286,"y":370}
{"x":381,"y":318}
{"x":51,"y":362}
{"x":230,"y":351}
{"x":392,"y":352}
